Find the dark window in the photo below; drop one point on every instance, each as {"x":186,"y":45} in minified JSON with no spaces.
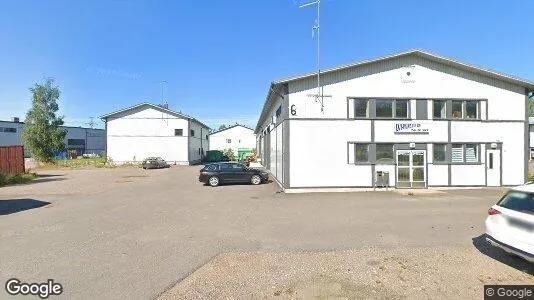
{"x":401,"y":109}
{"x":237,"y":167}
{"x":457,"y":112}
{"x":8,"y":129}
{"x":361,"y":108}
{"x":192,"y":132}
{"x":279,"y":111}
{"x":471,"y":109}
{"x":491,"y":160}
{"x":392,"y":109}
{"x":225,"y":167}
{"x":228,"y":141}
{"x":206,"y":136}
{"x":384,"y":108}
{"x":384,"y":151}
{"x":76,"y":142}
{"x":178,"y":132}
{"x":198,"y":151}
{"x":465,"y":109}
{"x":439,"y":153}
{"x":518,"y":201}
{"x":530,"y":127}
{"x":361,"y":152}
{"x":440,"y":109}
{"x":211,"y":168}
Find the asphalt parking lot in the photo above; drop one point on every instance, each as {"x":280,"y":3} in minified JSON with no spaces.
{"x":132,"y":233}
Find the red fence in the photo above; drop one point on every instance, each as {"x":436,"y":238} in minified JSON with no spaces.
{"x":12,"y":160}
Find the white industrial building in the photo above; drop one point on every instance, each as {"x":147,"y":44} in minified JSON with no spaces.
{"x":148,"y":130}
{"x":426,"y":120}
{"x":234,"y":137}
{"x":78,"y":141}
{"x":531,"y":136}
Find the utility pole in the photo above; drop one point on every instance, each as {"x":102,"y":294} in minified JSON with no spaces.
{"x":319,"y":97}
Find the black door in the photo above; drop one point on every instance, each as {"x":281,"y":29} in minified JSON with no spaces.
{"x":239,"y":174}
{"x":226,"y":173}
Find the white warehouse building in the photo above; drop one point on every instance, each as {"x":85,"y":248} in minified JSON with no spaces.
{"x":78,"y":141}
{"x":148,"y":130}
{"x":234,"y":137}
{"x":420,"y":119}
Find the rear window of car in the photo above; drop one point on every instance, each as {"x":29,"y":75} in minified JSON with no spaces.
{"x":211,"y":168}
{"x":518,"y":201}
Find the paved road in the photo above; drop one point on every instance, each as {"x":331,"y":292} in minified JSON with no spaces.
{"x":135,"y":238}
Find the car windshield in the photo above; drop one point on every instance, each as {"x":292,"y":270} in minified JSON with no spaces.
{"x":518,"y":201}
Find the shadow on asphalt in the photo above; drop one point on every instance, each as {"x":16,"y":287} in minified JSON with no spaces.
{"x":48,"y":175}
{"x":500,"y":255}
{"x":11,"y":206}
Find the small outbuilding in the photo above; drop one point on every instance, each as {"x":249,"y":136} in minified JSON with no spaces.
{"x":148,"y":130}
{"x":235,"y":137}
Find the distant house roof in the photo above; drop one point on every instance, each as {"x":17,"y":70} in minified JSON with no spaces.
{"x":416,"y":52}
{"x":217,"y":131}
{"x":157,"y":107}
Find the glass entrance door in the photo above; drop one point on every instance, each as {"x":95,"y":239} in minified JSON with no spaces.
{"x":411,"y":171}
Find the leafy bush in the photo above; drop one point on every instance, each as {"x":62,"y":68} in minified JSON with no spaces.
{"x":531,"y":177}
{"x":230,"y":154}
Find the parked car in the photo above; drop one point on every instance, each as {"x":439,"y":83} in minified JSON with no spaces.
{"x":154,"y":163}
{"x":231,"y":172}
{"x":510,"y":222}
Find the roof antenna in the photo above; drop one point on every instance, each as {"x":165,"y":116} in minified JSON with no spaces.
{"x":163,"y":102}
{"x":319,"y":97}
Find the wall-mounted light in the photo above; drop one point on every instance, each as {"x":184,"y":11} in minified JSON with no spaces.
{"x":412,"y":145}
{"x":493,"y":145}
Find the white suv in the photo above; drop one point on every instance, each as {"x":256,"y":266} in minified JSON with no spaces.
{"x":510,"y":224}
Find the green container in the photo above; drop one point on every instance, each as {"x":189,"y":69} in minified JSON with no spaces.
{"x":213,"y":156}
{"x":242,"y":153}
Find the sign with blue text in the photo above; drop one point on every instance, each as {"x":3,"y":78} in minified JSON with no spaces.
{"x":411,"y":127}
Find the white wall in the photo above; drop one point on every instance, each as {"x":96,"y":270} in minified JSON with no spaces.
{"x":383,"y":79}
{"x":437,"y":174}
{"x":241,"y":137}
{"x":319,"y":153}
{"x":145,"y":133}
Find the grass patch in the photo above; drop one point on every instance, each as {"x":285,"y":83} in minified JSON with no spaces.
{"x":6,"y":179}
{"x":531,"y":177}
{"x":98,"y":162}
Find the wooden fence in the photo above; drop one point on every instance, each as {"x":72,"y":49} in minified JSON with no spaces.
{"x":12,"y":160}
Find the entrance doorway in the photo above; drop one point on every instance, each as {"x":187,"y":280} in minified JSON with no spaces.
{"x":493,"y":167}
{"x":411,"y":168}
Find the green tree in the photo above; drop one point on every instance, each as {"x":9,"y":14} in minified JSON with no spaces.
{"x":222,"y":127}
{"x":531,"y":107}
{"x":41,"y":133}
{"x":230,"y":154}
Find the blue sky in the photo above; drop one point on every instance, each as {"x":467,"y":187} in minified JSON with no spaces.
{"x":219,"y":57}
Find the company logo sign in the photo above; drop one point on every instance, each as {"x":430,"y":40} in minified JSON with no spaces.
{"x":411,"y":127}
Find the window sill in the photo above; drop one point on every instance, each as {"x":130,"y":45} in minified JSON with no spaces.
{"x":457,"y":163}
{"x":452,"y":119}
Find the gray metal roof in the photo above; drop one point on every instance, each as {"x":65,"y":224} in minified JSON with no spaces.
{"x":417,"y":52}
{"x":171,"y":112}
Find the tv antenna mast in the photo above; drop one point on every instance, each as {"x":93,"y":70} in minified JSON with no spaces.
{"x":319,"y":97}
{"x":164,"y":103}
{"x":91,"y":123}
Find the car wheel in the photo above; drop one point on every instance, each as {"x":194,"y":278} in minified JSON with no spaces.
{"x":214,"y":181}
{"x":255,"y":179}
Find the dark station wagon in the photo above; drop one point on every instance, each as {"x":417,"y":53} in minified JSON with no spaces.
{"x":231,"y":172}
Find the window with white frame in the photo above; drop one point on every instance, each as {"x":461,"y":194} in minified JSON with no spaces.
{"x":440,"y":109}
{"x":386,"y":108}
{"x":439,"y":153}
{"x":465,"y":153}
{"x":361,"y":108}
{"x":361,"y":152}
{"x":384,"y":151}
{"x":465,"y":109}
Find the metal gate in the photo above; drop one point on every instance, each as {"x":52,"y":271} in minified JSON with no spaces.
{"x":12,"y":160}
